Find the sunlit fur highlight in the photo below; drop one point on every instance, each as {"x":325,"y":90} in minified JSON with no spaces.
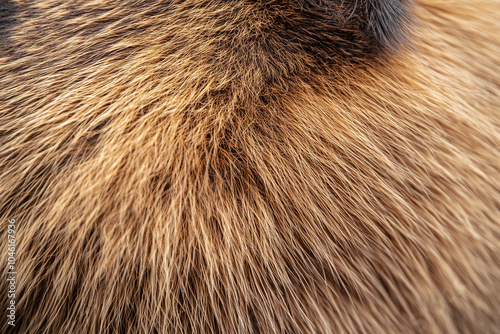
{"x":165,"y":181}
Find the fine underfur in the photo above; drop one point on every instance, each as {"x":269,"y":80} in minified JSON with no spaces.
{"x":272,"y":166}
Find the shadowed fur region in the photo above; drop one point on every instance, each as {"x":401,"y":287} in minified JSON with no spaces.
{"x":251,"y":166}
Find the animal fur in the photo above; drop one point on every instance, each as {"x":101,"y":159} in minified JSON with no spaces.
{"x":267,"y":166}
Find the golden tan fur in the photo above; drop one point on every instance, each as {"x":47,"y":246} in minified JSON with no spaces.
{"x":174,"y":168}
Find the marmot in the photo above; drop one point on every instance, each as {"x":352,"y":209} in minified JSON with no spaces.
{"x":250,"y":166}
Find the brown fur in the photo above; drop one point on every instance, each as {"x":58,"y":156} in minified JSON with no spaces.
{"x":252,"y":166}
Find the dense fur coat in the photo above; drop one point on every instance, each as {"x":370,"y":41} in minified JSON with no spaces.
{"x":272,"y":166}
